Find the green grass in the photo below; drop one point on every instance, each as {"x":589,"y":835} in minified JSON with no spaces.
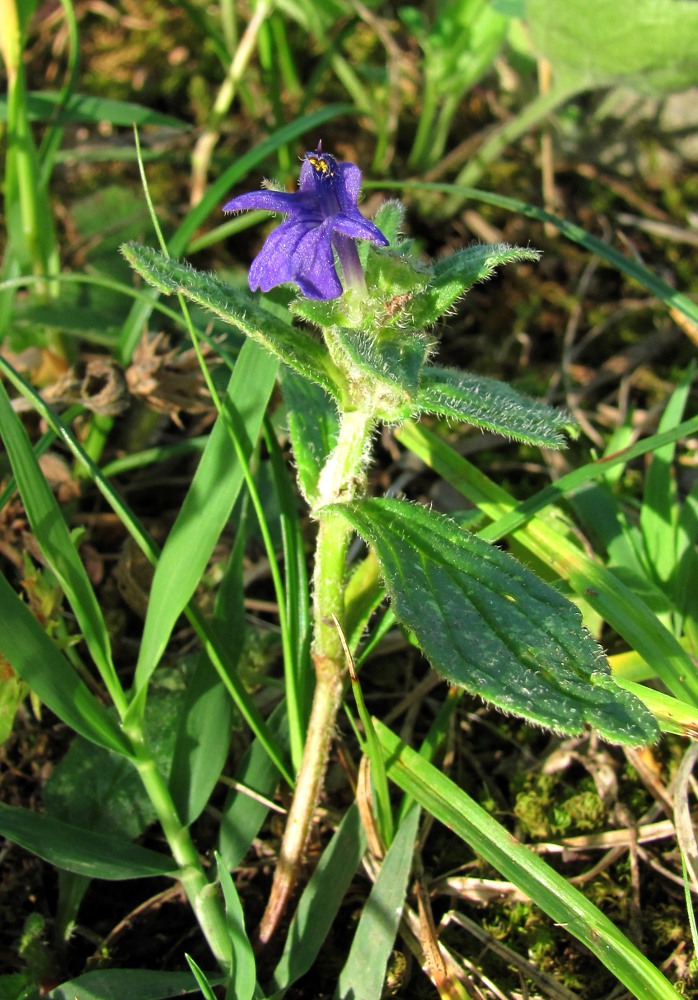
{"x":190,"y":723}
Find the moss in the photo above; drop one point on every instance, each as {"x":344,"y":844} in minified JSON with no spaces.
{"x":548,"y":807}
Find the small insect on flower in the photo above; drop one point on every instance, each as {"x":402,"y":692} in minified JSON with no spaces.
{"x":323,"y":218}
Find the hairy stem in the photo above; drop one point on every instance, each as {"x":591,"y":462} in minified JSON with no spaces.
{"x":341,"y":480}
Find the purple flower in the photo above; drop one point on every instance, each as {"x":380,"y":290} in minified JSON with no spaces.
{"x":322,"y":215}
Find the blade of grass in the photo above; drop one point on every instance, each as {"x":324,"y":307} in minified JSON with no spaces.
{"x":384,"y":812}
{"x":564,"y":904}
{"x":660,"y":506}
{"x":363,"y":974}
{"x":437,"y":735}
{"x":53,"y":536}
{"x":203,"y":736}
{"x":201,"y":978}
{"x":206,"y":507}
{"x":217,"y":653}
{"x":243,"y":980}
{"x":31,"y":245}
{"x":54,"y":133}
{"x":320,"y":902}
{"x":98,"y":281}
{"x":243,"y":814}
{"x":40,"y":448}
{"x":48,"y":105}
{"x":297,"y":665}
{"x":95,"y":855}
{"x":38,"y":662}
{"x":136,"y":984}
{"x":687,"y":567}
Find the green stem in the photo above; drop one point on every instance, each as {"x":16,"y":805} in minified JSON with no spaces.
{"x":422,"y":152}
{"x":341,"y":480}
{"x":202,"y":894}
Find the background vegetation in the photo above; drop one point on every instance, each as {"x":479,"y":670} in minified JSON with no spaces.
{"x":577,"y":122}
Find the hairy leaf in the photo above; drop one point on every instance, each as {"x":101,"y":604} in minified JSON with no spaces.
{"x":384,"y":368}
{"x":454,"y":275}
{"x":491,"y":626}
{"x":294,"y":346}
{"x":492,"y":405}
{"x":313,"y":423}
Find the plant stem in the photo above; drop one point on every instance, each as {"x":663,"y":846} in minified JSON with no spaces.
{"x":202,"y":894}
{"x":341,"y":481}
{"x":422,"y":152}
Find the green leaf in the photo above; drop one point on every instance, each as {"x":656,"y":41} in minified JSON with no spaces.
{"x":364,"y":972}
{"x":102,"y":792}
{"x":453,"y":275}
{"x":39,"y":663}
{"x":563,"y":903}
{"x":547,"y":539}
{"x":244,"y":979}
{"x":243,"y":814}
{"x":41,"y":106}
{"x":76,"y":850}
{"x":201,"y":978}
{"x":489,"y":625}
{"x":320,"y":901}
{"x":660,"y":502}
{"x":117,"y":984}
{"x":313,"y":423}
{"x":384,"y":368}
{"x":363,"y":593}
{"x":206,"y":507}
{"x":492,"y":405}
{"x":294,"y":346}
{"x":649,"y":45}
{"x":57,"y":545}
{"x":203,"y":737}
{"x":98,"y":791}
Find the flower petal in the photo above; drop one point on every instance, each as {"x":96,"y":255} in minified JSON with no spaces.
{"x":272,"y":201}
{"x":273,"y":265}
{"x":347,"y":185}
{"x":313,"y":264}
{"x":353,"y":224}
{"x":306,"y":183}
